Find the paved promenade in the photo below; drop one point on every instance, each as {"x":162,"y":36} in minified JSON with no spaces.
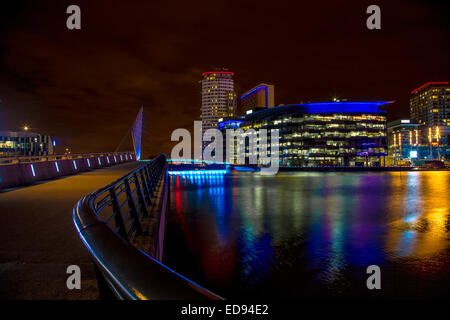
{"x":38,"y":239}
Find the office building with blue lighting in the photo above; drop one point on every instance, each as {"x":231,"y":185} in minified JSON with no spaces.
{"x":323,"y":133}
{"x":260,"y":96}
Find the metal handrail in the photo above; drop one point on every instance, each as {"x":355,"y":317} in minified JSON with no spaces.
{"x":52,"y":157}
{"x":129,"y":272}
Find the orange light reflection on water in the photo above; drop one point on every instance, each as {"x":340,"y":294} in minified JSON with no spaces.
{"x":419,"y":213}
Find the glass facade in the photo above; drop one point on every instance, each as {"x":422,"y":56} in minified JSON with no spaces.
{"x":430,"y":106}
{"x":405,"y":140}
{"x":14,"y":144}
{"x":324,"y":134}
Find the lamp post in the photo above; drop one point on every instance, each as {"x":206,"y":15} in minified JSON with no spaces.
{"x":437,"y":139}
{"x":430,"y":138}
{"x":25,"y":128}
{"x":395,"y":148}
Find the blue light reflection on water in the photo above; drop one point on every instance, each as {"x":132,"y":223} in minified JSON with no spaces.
{"x":244,"y":233}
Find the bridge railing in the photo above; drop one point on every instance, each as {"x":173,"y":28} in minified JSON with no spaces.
{"x":16,"y":172}
{"x":108,"y":219}
{"x":54,"y":157}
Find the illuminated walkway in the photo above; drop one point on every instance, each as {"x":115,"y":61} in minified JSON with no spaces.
{"x":39,"y":240}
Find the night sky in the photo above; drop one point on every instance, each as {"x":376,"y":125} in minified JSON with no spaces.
{"x":84,"y":87}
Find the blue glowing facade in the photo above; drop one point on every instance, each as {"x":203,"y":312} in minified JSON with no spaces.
{"x":345,"y":107}
{"x":230,"y":124}
{"x":369,"y":107}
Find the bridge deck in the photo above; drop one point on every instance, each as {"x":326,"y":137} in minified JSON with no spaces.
{"x":39,"y":240}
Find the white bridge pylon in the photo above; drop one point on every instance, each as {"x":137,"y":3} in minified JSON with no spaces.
{"x":136,"y":133}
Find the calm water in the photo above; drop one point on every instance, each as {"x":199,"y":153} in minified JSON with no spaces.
{"x":312,"y":234}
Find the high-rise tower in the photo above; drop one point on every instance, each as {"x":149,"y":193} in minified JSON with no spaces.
{"x":430,"y":104}
{"x":218,"y":97}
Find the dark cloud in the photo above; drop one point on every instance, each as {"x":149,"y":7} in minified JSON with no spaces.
{"x":85,"y":87}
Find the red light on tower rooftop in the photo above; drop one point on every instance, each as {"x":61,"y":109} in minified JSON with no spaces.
{"x":427,"y":84}
{"x":209,"y":72}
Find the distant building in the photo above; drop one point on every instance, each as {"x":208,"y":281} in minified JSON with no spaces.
{"x":430,"y":103}
{"x":324,"y":133}
{"x":261,"y":96}
{"x":430,"y":106}
{"x":14,"y":144}
{"x":405,"y":140}
{"x":218,"y":97}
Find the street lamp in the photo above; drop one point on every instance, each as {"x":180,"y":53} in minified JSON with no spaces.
{"x":430,"y":139}
{"x":25,"y":142}
{"x":437,"y":138}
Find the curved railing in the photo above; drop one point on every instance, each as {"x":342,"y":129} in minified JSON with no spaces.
{"x":108,"y":219}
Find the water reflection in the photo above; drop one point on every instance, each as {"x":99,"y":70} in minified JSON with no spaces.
{"x":421,"y":229}
{"x":298,"y":234}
